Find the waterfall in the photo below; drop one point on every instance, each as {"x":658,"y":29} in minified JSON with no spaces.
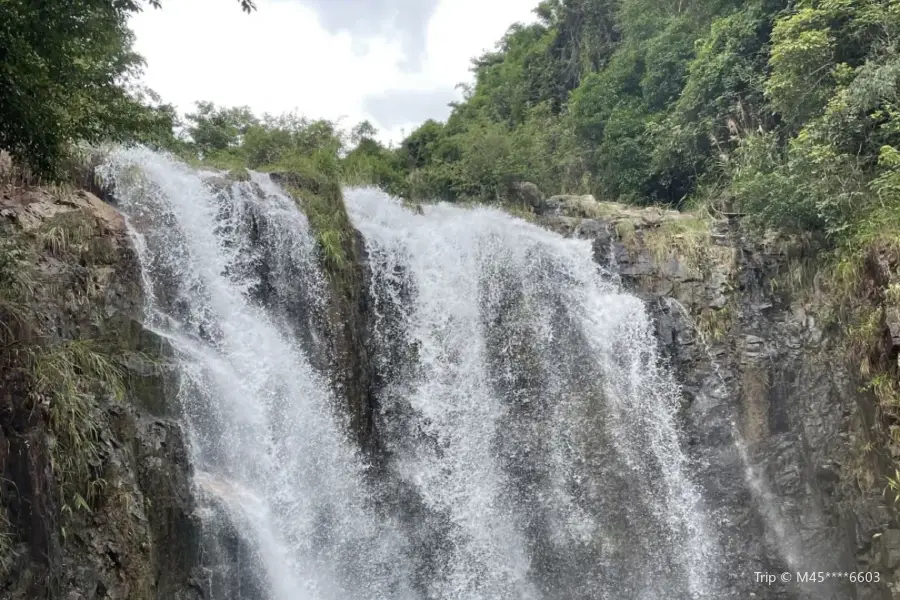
{"x":527,"y":425}
{"x":267,"y":440}
{"x":530,"y":413}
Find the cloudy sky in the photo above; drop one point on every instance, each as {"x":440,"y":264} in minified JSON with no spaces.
{"x":395,"y":62}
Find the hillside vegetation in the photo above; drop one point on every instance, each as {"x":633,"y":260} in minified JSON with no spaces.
{"x":785,"y":111}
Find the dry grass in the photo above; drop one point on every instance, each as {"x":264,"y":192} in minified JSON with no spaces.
{"x":7,"y":540}
{"x":714,"y":323}
{"x":690,"y":242}
{"x":626,"y":231}
{"x":67,"y":234}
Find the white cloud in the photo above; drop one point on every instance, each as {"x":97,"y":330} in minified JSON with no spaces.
{"x":403,"y":19}
{"x":322,"y":58}
{"x":393,"y":108}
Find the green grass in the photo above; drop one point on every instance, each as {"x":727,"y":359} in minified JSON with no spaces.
{"x":66,"y":378}
{"x":18,"y":287}
{"x":328,"y":220}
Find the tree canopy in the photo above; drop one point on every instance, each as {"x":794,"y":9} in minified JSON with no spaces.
{"x":68,"y":73}
{"x":787,"y":110}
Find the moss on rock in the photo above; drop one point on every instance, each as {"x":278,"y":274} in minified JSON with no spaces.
{"x":341,"y":254}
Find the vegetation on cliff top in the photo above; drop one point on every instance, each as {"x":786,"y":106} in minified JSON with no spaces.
{"x":787,"y":113}
{"x":784,"y":111}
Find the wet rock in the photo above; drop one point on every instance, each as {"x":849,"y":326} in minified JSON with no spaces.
{"x":525,"y":193}
{"x":73,"y":253}
{"x":774,"y":415}
{"x":892,"y":320}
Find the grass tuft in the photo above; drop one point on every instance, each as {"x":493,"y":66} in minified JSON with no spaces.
{"x":7,"y":541}
{"x":18,"y":287}
{"x":328,"y":219}
{"x":714,"y":323}
{"x":689,"y":241}
{"x":67,"y":235}
{"x":65,"y":379}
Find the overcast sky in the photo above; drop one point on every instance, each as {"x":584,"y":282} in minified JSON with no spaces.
{"x":395,"y":62}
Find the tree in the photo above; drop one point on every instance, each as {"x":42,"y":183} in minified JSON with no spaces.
{"x":420,"y":147}
{"x":213,"y":129}
{"x":362,"y":131}
{"x":67,"y":71}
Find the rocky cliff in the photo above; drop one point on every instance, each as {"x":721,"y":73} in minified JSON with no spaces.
{"x":95,"y":499}
{"x":790,"y":438}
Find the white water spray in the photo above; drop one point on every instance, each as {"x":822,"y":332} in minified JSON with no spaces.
{"x":263,"y":425}
{"x":534,"y":392}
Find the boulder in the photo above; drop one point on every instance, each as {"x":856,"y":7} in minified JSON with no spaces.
{"x":525,"y":193}
{"x":585,"y":207}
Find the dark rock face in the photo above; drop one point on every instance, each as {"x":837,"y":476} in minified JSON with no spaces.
{"x":348,"y":327}
{"x":139,"y":538}
{"x":784,"y":439}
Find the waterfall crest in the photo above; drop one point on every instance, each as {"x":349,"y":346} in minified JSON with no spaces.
{"x":528,"y":425}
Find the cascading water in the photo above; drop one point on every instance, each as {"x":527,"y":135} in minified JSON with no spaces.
{"x":528,"y":429}
{"x":531,"y":417}
{"x":265,"y":433}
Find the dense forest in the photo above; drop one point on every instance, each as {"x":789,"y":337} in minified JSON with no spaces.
{"x":784,"y":111}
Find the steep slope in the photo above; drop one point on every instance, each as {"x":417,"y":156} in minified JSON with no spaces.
{"x":94,"y":494}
